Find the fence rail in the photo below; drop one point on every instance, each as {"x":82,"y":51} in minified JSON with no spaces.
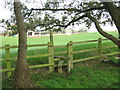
{"x":51,"y":53}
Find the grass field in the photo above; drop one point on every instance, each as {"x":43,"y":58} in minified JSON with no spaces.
{"x":58,"y":39}
{"x":94,"y":75}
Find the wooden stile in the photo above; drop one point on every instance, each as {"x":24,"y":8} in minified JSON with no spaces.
{"x":60,"y":64}
{"x":61,"y":60}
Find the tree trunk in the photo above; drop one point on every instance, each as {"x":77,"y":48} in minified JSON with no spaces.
{"x":115,"y":14}
{"x":22,"y":79}
{"x":110,"y":37}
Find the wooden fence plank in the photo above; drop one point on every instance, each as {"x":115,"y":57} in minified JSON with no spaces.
{"x":40,"y":55}
{"x":33,"y":56}
{"x":42,"y":65}
{"x":84,"y":59}
{"x":35,"y":45}
{"x":7,"y":59}
{"x":56,"y":46}
{"x":81,"y":51}
{"x":33,"y":66}
{"x":6,"y":70}
{"x":84,"y":41}
{"x":62,"y":52}
{"x":87,"y":41}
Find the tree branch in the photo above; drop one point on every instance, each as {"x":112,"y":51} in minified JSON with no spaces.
{"x":64,"y":26}
{"x":112,"y":38}
{"x":74,"y":20}
{"x":61,"y":9}
{"x":94,"y":8}
{"x":114,"y":12}
{"x":67,"y":9}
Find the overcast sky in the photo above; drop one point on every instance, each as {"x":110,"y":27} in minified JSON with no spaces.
{"x":5,"y":14}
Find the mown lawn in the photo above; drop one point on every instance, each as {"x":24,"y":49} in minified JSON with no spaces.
{"x":58,"y":39}
{"x":95,"y":75}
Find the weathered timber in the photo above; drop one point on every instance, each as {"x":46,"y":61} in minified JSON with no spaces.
{"x":100,"y":48}
{"x":60,"y":66}
{"x":56,"y":46}
{"x":36,"y":45}
{"x":41,"y":65}
{"x":33,"y":66}
{"x":8,"y":63}
{"x":70,"y":55}
{"x":84,"y":41}
{"x":84,"y":59}
{"x":62,"y":52}
{"x":33,"y":56}
{"x":62,"y":57}
{"x":84,"y":50}
{"x":51,"y":57}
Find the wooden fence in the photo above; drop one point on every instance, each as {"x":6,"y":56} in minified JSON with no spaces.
{"x":52,"y":58}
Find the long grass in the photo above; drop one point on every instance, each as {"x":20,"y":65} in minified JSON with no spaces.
{"x":96,"y":75}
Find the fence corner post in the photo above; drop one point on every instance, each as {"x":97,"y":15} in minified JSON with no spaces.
{"x":100,"y":47}
{"x":8,"y":62}
{"x":70,"y":55}
{"x":51,"y":57}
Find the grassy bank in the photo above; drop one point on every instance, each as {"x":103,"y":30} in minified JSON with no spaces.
{"x":89,"y":74}
{"x":85,"y":75}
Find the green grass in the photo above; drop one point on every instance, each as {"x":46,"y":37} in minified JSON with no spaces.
{"x":58,"y":39}
{"x":88,"y":74}
{"x":100,"y":75}
{"x":96,"y":75}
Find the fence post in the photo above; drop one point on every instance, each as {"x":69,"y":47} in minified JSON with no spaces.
{"x":51,"y":37}
{"x":70,"y":55}
{"x":51,"y":57}
{"x":100,"y":47}
{"x":8,"y":62}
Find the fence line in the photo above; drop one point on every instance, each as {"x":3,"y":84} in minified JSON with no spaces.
{"x":51,"y":55}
